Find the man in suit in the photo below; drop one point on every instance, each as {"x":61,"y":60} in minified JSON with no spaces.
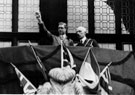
{"x":55,"y":40}
{"x":84,"y":41}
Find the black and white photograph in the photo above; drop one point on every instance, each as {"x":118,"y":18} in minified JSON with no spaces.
{"x":67,"y":47}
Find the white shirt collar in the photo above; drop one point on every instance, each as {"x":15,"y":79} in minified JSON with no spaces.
{"x":83,"y":39}
{"x":63,"y":37}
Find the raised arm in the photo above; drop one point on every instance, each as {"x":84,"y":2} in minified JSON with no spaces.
{"x":41,"y":23}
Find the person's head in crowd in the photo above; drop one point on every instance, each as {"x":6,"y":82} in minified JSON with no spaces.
{"x":62,"y":28}
{"x":81,"y":32}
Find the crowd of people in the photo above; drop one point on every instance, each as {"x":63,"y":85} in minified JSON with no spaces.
{"x":62,"y":34}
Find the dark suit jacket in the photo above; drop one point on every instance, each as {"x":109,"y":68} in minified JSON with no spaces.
{"x":53,"y":39}
{"x":89,"y":43}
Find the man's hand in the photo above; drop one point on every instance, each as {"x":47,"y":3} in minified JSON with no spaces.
{"x":38,"y":16}
{"x":40,"y":21}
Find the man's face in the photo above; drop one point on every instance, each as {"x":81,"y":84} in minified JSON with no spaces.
{"x":80,"y":33}
{"x":61,"y":29}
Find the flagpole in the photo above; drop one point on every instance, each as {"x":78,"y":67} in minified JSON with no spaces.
{"x":105,"y":69}
{"x":13,"y":65}
{"x":86,"y":54}
{"x":61,"y":54}
{"x":43,"y":70}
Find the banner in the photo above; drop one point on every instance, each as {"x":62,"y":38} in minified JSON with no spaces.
{"x":122,"y":68}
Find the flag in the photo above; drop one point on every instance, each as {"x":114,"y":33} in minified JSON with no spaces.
{"x":89,"y":71}
{"x":105,"y":80}
{"x":66,"y":57}
{"x":28,"y":87}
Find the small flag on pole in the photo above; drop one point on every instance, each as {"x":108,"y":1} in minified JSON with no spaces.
{"x":105,"y":80}
{"x":66,"y":57}
{"x":89,"y":71}
{"x":28,"y":87}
